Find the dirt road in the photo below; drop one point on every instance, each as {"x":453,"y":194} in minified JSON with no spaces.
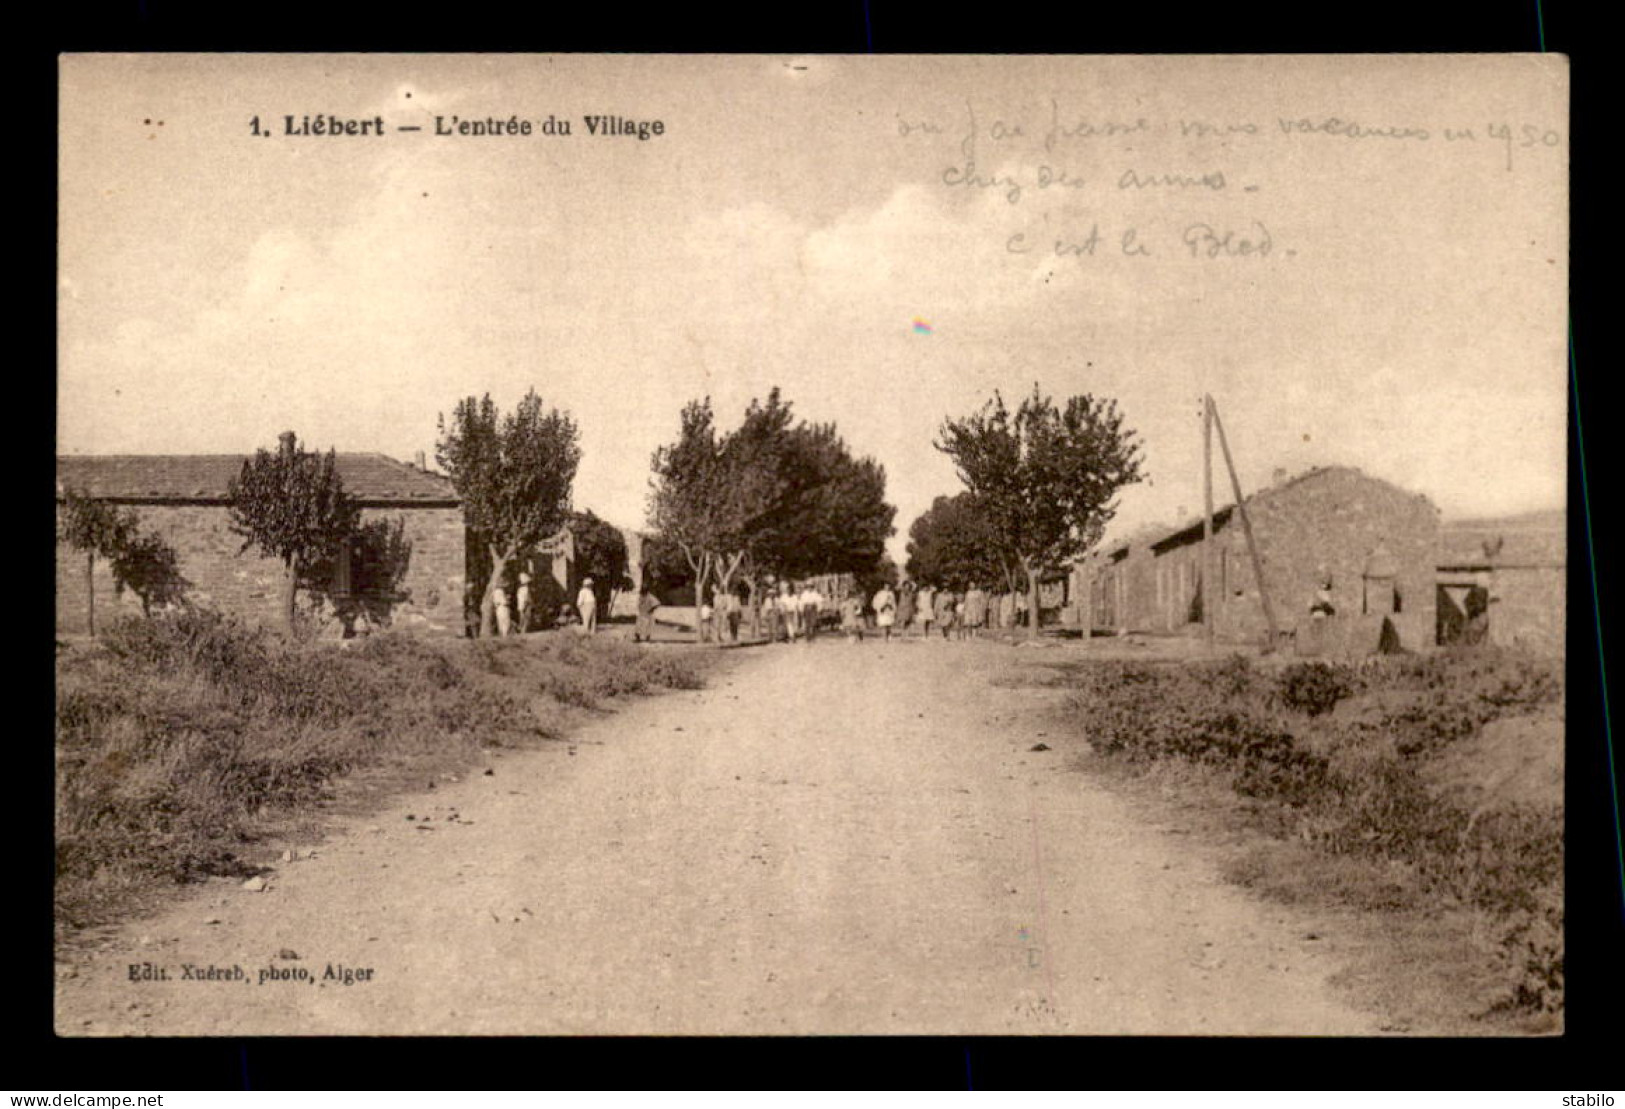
{"x":832,"y":839}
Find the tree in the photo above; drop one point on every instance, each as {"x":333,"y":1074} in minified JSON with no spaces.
{"x":685,"y":502}
{"x":142,"y":562}
{"x":96,"y":529}
{"x":379,"y":555}
{"x":292,"y":506}
{"x":601,"y":556}
{"x":514,"y":474}
{"x":149,"y":567}
{"x":841,"y":521}
{"x":1046,"y":477}
{"x":771,"y":497}
{"x":953,"y":544}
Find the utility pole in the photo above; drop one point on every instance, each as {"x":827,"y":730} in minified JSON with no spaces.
{"x":1247,"y":527}
{"x":1207,"y":522}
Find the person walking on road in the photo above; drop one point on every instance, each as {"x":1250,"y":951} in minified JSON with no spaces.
{"x":812,"y":608}
{"x":885,"y":610}
{"x":647,"y":603}
{"x":975,"y":611}
{"x":587,"y":607}
{"x":905,"y":606}
{"x":790,"y":611}
{"x":926,"y":612}
{"x":852,"y":618}
{"x":706,"y":615}
{"x":945,"y":611}
{"x":731,"y":612}
{"x":769,"y":610}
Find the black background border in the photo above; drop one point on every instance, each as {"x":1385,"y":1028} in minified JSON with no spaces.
{"x":1579,"y":1060}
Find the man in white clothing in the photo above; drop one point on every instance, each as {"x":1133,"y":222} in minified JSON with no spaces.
{"x":587,"y":606}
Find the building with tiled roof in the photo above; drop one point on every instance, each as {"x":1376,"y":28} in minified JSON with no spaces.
{"x":407,"y":567}
{"x":375,"y":480}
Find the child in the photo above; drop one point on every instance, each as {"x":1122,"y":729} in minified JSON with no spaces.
{"x":852,"y":618}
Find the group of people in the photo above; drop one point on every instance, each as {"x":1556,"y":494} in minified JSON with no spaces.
{"x":515,"y":617}
{"x":955,"y":614}
{"x":790,"y":613}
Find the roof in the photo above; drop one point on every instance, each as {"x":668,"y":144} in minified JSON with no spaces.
{"x":372,"y":479}
{"x":1161,"y":538}
{"x":1526,"y":541}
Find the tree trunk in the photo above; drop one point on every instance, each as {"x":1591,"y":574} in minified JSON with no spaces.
{"x":90,"y":592}
{"x":699,"y":597}
{"x":290,"y":591}
{"x":488,"y":608}
{"x":1032,"y":599}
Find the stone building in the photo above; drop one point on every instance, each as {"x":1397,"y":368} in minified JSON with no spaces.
{"x":184,"y":499}
{"x":1504,"y":580}
{"x":1373,"y":542}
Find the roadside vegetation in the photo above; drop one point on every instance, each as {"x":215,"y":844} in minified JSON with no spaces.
{"x":1424,"y":787}
{"x":184,"y":739}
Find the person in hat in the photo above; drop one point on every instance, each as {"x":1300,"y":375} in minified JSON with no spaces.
{"x":522,"y":598}
{"x":587,"y":606}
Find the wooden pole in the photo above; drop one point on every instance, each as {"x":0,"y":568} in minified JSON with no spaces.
{"x":1246,"y":527}
{"x":1207,"y":522}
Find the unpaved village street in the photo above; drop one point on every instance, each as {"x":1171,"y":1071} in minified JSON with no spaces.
{"x":831,"y":838}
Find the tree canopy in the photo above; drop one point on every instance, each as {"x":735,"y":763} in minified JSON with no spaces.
{"x":514,"y":474}
{"x":773,"y":496}
{"x":953,"y":544}
{"x":292,"y":506}
{"x":1046,"y":477}
{"x":141,"y":562}
{"x":600,"y":555}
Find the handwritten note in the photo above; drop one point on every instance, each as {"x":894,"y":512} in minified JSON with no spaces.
{"x":1081,"y":185}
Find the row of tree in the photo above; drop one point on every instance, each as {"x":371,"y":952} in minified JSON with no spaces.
{"x":775,"y":497}
{"x":1041,"y":484}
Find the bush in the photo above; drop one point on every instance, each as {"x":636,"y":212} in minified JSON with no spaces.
{"x":195,"y":638}
{"x":1351,"y":786}
{"x":1313,"y":688}
{"x":185,"y":730}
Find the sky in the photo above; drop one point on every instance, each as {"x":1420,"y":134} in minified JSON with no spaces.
{"x":888,"y":240}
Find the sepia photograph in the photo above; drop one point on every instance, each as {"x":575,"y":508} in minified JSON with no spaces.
{"x":821,"y":545}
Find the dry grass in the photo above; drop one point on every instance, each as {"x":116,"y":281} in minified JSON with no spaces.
{"x":181,"y":740}
{"x":1413,"y":790}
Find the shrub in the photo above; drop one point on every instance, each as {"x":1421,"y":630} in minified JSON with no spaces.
{"x":1313,"y":688}
{"x":183,"y":731}
{"x":1351,"y":787}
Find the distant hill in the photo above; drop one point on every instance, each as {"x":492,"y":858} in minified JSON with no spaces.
{"x":1546,"y":519}
{"x":1526,"y":538}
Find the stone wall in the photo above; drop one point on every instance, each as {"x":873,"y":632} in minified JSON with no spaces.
{"x":1528,"y":607}
{"x":249,"y":586}
{"x":1329,"y":524}
{"x":434,"y":579}
{"x":1326,"y":523}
